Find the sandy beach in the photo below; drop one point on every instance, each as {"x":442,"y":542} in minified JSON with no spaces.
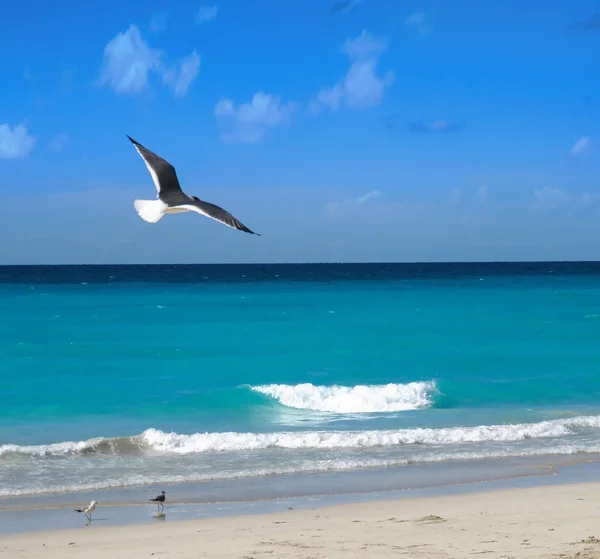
{"x":554,"y":521}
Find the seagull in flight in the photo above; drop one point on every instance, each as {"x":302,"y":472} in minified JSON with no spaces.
{"x":88,"y":510}
{"x":160,"y":499}
{"x":171,"y":199}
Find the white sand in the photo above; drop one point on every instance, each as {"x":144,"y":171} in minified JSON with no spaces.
{"x":519,"y":523}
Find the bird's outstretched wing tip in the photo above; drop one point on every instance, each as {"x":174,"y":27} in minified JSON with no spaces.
{"x":131,"y":139}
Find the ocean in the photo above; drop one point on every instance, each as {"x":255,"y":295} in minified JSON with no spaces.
{"x":117,"y":377}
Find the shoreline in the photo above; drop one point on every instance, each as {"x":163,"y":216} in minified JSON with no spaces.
{"x":60,"y":517}
{"x":425,"y":476}
{"x":526,"y":522}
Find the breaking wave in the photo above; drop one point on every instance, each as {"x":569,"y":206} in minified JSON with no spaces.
{"x":353,"y":399}
{"x":156,"y":441}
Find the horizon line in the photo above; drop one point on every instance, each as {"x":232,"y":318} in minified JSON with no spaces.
{"x":324,"y":263}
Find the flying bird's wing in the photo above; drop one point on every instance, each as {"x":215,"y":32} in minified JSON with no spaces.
{"x":162,"y":172}
{"x":218,"y":214}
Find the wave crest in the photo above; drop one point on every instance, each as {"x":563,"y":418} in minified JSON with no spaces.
{"x":154,"y":440}
{"x":352,"y":399}
{"x":99,"y":445}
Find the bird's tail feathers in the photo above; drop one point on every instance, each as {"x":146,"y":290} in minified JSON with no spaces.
{"x":150,"y":210}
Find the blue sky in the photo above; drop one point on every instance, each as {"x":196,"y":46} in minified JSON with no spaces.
{"x":340,"y":130}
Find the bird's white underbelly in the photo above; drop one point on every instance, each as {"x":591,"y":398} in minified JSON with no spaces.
{"x":176,"y":210}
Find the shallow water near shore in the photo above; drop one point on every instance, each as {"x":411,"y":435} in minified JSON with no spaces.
{"x":36,"y":517}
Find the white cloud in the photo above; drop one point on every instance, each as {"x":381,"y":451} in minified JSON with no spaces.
{"x":129,"y":60}
{"x":352,"y":204}
{"x":248,"y":122}
{"x":550,"y":198}
{"x":368,"y":196}
{"x":419,"y":22}
{"x":581,"y":146}
{"x":15,"y":143}
{"x":435,"y":127}
{"x":361,"y":87}
{"x":183,"y":74}
{"x":59,"y":142}
{"x":206,"y":14}
{"x":588,"y":199}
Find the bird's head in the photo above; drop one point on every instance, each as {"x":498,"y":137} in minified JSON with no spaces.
{"x":196,"y":198}
{"x":164,"y":492}
{"x":93,"y":503}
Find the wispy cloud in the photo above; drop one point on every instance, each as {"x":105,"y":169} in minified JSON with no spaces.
{"x":361,"y":87}
{"x":59,"y":142}
{"x":180,"y":77}
{"x":352,"y":204}
{"x":419,"y":22}
{"x":344,"y":6}
{"x":481,"y":192}
{"x":455,"y":194}
{"x":436,"y":127}
{"x":581,"y":146}
{"x":590,"y":25}
{"x":550,"y":198}
{"x":368,"y":196}
{"x":248,"y":122}
{"x":588,"y":198}
{"x":206,"y":14}
{"x":15,"y":143}
{"x":158,"y":22}
{"x":129,"y":60}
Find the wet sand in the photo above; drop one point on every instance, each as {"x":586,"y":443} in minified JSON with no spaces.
{"x":538,"y":522}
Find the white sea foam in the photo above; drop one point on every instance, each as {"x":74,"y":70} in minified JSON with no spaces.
{"x":175,"y":443}
{"x":215,"y":442}
{"x":99,"y":444}
{"x":151,"y":478}
{"x":352,"y":399}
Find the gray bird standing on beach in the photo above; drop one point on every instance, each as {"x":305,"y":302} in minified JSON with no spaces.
{"x":171,"y":199}
{"x":159,"y":500}
{"x":88,"y":510}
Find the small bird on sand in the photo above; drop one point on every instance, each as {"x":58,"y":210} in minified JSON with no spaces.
{"x":159,"y":500}
{"x":88,"y":510}
{"x":171,"y":199}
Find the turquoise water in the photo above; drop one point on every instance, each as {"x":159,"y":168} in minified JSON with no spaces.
{"x":125,"y":376}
